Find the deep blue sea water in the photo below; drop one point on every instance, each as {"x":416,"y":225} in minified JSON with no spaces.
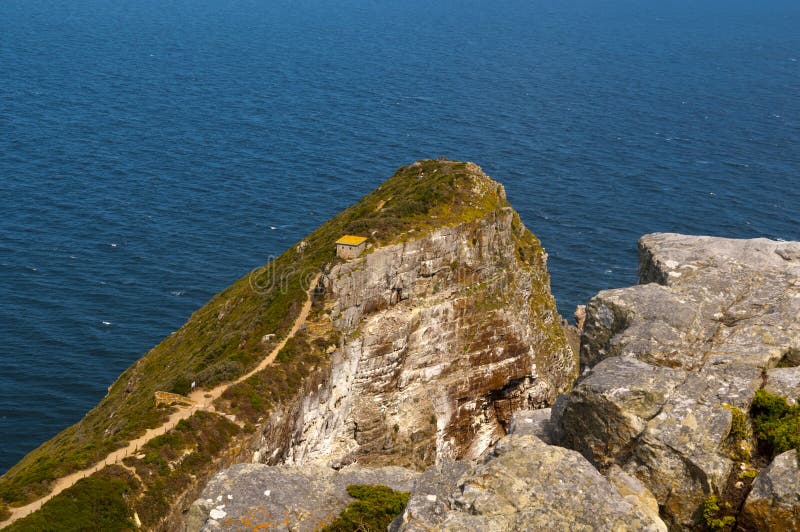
{"x":151,"y":152}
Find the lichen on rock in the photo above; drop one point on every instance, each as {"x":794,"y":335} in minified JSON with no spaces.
{"x":523,"y":484}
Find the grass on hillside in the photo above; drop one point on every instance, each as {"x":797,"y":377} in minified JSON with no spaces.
{"x":93,"y":503}
{"x":170,"y":463}
{"x":251,"y":398}
{"x":224,"y":338}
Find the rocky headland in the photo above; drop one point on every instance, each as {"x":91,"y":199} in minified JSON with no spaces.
{"x":415,"y":352}
{"x":432,"y":385}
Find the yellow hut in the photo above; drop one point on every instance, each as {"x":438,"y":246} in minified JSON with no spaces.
{"x":350,"y":246}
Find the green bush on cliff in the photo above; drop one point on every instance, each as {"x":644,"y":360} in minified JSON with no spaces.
{"x":93,"y":503}
{"x":182,"y":385}
{"x":775,"y":423}
{"x":374,"y":509}
{"x":222,"y":371}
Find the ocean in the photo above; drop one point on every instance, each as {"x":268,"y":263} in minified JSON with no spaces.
{"x":153,"y":152}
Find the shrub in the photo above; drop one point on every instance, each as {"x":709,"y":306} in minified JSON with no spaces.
{"x":182,"y":385}
{"x":748,"y":475}
{"x":775,"y":423}
{"x":374,"y":509}
{"x":222,"y":371}
{"x":94,"y":503}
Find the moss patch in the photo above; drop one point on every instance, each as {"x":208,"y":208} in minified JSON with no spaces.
{"x":739,"y":435}
{"x":374,"y":508}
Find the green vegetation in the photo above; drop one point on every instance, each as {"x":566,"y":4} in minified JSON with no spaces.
{"x":223,"y":339}
{"x":739,"y":434}
{"x":749,"y":474}
{"x":93,"y":503}
{"x":373,"y":510}
{"x":713,"y":514}
{"x":738,"y":423}
{"x":776,"y":427}
{"x":75,"y":448}
{"x":251,"y":398}
{"x":775,"y":423}
{"x":167,"y":465}
{"x":182,"y":385}
{"x":170,"y":462}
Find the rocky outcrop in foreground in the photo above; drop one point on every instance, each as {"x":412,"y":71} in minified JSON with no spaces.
{"x":774,"y":501}
{"x":248,"y":496}
{"x":674,"y":365}
{"x":525,"y":484}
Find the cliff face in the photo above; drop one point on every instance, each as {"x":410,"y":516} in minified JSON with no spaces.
{"x":669,"y":409}
{"x":442,"y":337}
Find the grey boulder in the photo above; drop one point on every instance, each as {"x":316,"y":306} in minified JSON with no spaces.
{"x":294,"y":498}
{"x":524,"y":484}
{"x":774,"y":500}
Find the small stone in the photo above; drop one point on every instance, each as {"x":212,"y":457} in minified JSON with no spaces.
{"x":217,"y":514}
